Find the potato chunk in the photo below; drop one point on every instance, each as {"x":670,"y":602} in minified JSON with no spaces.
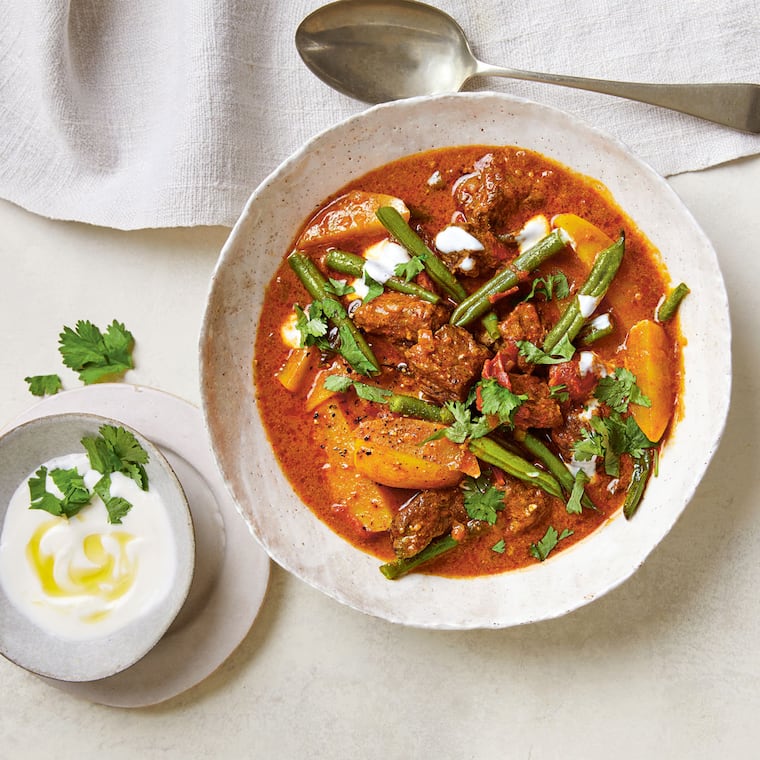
{"x":396,"y":452}
{"x":362,"y":496}
{"x":349,"y":215}
{"x":649,"y":358}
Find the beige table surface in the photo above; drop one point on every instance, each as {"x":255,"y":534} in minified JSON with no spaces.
{"x":666,"y":666}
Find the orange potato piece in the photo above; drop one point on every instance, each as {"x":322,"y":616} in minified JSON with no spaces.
{"x":318,"y":394}
{"x":350,"y":214}
{"x":588,"y":241}
{"x":369,"y":502}
{"x":293,"y":372}
{"x":587,"y":238}
{"x":648,"y":357}
{"x":396,"y":452}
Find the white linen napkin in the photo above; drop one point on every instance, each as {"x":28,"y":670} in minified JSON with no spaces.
{"x":153,"y":113}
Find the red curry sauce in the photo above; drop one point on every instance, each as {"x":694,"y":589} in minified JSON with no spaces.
{"x":424,"y":182}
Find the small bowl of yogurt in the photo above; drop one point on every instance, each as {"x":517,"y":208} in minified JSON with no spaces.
{"x":97,"y":549}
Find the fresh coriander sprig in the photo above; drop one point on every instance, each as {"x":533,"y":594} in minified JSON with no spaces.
{"x":482,"y":499}
{"x":341,"y":383}
{"x":96,"y":355}
{"x":114,"y":450}
{"x":498,"y":400}
{"x":44,"y":385}
{"x":550,"y":287}
{"x":563,"y":351}
{"x":617,"y":433}
{"x":541,"y":549}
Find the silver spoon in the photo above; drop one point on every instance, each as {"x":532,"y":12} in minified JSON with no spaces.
{"x":380,"y":50}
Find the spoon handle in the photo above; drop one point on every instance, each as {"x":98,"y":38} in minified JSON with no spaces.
{"x":733,"y":105}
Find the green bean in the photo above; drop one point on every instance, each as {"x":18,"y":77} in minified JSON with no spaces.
{"x":598,"y":281}
{"x":349,"y":263}
{"x":669,"y":306}
{"x":479,"y":302}
{"x":411,"y":406}
{"x":552,"y":462}
{"x":491,"y":325}
{"x":642,"y":466}
{"x":438,"y":271}
{"x":316,"y":285}
{"x":401,"y":566}
{"x":493,"y":453}
{"x":591,"y":333}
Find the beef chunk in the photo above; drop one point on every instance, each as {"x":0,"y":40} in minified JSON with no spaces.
{"x":446,"y":363}
{"x":522,"y":323}
{"x":486,"y":196}
{"x":564,"y":437}
{"x":398,"y":316}
{"x":524,"y":505}
{"x":540,"y":410}
{"x":474,"y":262}
{"x":424,"y":517}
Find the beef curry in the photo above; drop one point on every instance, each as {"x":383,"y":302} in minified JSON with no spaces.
{"x":468,"y":360}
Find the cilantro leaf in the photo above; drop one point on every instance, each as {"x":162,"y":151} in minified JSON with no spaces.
{"x":620,"y":390}
{"x":338,"y":383}
{"x":116,"y":506}
{"x":75,"y":493}
{"x":541,"y":549}
{"x":482,"y":501}
{"x":312,"y":325}
{"x":40,"y":497}
{"x":101,"y":456}
{"x":328,"y":309}
{"x":588,"y":446}
{"x":464,"y":426}
{"x":410,"y":269}
{"x":551,"y":286}
{"x":130,"y":453}
{"x":338,"y":287}
{"x":499,"y":547}
{"x":341,"y":383}
{"x":609,"y":437}
{"x":124,"y":444}
{"x":498,"y":400}
{"x":574,"y":505}
{"x":94,"y":355}
{"x":38,"y":484}
{"x":43,"y":385}
{"x":69,"y":482}
{"x":118,"y":342}
{"x":562,"y":352}
{"x":374,"y":288}
{"x":626,"y":437}
{"x":350,"y":351}
{"x":116,"y":450}
{"x":597,"y":440}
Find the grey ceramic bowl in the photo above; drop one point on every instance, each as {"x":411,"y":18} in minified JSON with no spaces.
{"x":289,"y":531}
{"x":22,"y":450}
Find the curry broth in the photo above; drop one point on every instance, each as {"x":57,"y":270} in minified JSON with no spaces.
{"x":640,"y":284}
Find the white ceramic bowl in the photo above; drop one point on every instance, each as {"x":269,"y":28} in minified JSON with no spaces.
{"x":287,"y":529}
{"x":22,"y":450}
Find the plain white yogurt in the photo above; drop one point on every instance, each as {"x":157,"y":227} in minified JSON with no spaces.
{"x":83,"y":577}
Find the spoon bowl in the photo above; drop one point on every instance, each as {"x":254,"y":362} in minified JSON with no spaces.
{"x":382,"y":50}
{"x":377,"y":51}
